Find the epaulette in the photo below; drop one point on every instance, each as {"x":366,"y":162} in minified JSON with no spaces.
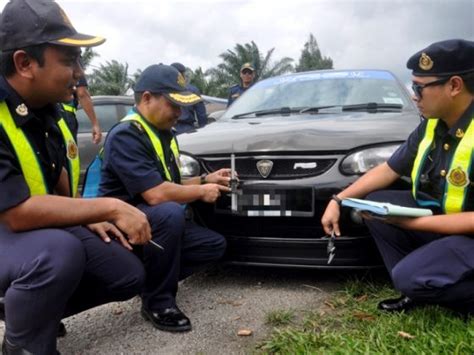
{"x":138,"y":126}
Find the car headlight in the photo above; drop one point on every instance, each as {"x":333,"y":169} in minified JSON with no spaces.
{"x":363,"y":160}
{"x":189,"y":166}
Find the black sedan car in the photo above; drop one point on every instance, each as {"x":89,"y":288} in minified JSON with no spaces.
{"x":295,"y":140}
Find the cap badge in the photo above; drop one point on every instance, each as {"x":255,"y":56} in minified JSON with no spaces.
{"x":22,"y":110}
{"x":458,"y":177}
{"x":425,"y":62}
{"x":459,"y":133}
{"x":72,"y":150}
{"x":181,"y":80}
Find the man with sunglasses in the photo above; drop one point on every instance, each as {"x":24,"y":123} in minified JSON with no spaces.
{"x":429,"y":258}
{"x":247,"y":76}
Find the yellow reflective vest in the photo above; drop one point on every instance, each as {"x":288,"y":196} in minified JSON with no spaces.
{"x":457,"y":178}
{"x":155,"y":141}
{"x":26,"y":155}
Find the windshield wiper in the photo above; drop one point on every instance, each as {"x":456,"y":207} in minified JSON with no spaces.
{"x":373,"y":107}
{"x":281,"y":111}
{"x":316,"y":108}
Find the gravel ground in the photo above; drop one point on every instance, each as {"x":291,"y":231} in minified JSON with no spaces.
{"x":220,"y":302}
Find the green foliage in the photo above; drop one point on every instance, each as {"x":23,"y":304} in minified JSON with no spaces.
{"x":227,"y":73}
{"x":86,"y":57}
{"x":353,"y":325}
{"x":279,"y":318}
{"x":311,"y":58}
{"x":110,"y":79}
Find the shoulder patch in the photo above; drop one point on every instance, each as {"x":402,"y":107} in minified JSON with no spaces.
{"x":138,"y":126}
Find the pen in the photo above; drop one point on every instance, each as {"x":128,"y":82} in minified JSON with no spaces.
{"x":156,"y":245}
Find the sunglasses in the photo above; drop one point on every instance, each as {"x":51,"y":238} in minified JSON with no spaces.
{"x":248,"y":72}
{"x":418,"y":88}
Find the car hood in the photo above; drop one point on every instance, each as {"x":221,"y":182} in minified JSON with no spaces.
{"x":318,"y":132}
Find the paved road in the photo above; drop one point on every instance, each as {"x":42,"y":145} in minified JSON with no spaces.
{"x":219,"y":301}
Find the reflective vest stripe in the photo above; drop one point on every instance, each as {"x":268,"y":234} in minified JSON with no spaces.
{"x":27,"y":158}
{"x":69,"y":108}
{"x":461,"y":164}
{"x":455,"y":195}
{"x":25,"y":153}
{"x":72,"y":154}
{"x":423,"y":150}
{"x":155,"y":141}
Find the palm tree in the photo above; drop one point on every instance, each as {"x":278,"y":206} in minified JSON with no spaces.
{"x":87,"y":56}
{"x":110,"y":79}
{"x":227,"y":73}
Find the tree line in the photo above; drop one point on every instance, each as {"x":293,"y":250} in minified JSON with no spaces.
{"x":113,"y":78}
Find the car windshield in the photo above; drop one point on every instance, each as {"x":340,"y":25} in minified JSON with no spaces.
{"x":315,"y":92}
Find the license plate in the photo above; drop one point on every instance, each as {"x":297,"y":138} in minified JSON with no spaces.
{"x":270,"y":201}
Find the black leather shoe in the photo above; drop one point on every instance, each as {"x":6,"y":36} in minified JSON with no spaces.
{"x":403,"y":303}
{"x":168,"y":319}
{"x":11,"y":349}
{"x":2,"y":309}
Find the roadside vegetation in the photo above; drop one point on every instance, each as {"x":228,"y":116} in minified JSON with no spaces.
{"x":350,"y":323}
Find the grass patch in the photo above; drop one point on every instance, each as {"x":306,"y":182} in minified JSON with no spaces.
{"x":279,"y":318}
{"x":349,"y":323}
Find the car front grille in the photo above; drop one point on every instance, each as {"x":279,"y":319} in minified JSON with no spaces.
{"x":283,"y":167}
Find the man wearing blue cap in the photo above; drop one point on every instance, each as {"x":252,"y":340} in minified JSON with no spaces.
{"x":56,"y":253}
{"x":141,"y":166}
{"x":430,"y":259}
{"x":190,"y":115}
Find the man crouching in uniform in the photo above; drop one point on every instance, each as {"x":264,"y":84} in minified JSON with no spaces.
{"x":430,"y":259}
{"x":56,"y":253}
{"x":141,"y":166}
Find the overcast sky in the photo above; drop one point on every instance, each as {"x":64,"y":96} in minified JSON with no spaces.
{"x":355,"y":34}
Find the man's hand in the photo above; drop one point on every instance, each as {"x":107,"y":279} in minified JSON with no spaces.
{"x":96,"y":134}
{"x":211,"y":192}
{"x":105,"y":230}
{"x":330,"y":219}
{"x":220,"y":177}
{"x":132,"y":222}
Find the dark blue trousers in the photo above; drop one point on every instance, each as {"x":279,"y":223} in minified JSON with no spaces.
{"x":48,"y":274}
{"x":187,"y":248}
{"x":428,"y":267}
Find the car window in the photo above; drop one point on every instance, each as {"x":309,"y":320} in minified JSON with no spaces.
{"x":327,"y":89}
{"x":106,"y":114}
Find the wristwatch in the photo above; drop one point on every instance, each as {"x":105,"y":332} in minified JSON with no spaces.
{"x":203,"y":178}
{"x":337,"y":199}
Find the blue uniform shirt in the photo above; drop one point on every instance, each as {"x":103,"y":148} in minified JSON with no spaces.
{"x":234,"y":93}
{"x":190,"y":114}
{"x":130,"y":165}
{"x":40,"y":128}
{"x":445,"y":142}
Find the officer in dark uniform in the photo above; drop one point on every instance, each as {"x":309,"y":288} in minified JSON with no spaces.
{"x":193,"y":113}
{"x":82,"y":97}
{"x":247,"y":76}
{"x":430,"y":259}
{"x":51,"y":265}
{"x":141,"y":166}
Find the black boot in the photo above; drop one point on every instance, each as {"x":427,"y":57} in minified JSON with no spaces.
{"x":11,"y":349}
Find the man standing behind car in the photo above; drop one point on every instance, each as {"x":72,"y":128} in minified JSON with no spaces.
{"x":82,"y":97}
{"x":247,"y":76}
{"x":190,"y":114}
{"x":141,"y":166}
{"x":430,"y":259}
{"x":56,"y":254}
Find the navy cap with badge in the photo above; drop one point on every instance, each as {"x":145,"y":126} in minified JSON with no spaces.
{"x":181,"y":68}
{"x":445,"y":58}
{"x":25,"y":23}
{"x":168,"y":81}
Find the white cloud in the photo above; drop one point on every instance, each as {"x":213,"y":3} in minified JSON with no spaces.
{"x":355,"y":34}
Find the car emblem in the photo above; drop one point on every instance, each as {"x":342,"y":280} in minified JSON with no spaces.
{"x":264,"y":167}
